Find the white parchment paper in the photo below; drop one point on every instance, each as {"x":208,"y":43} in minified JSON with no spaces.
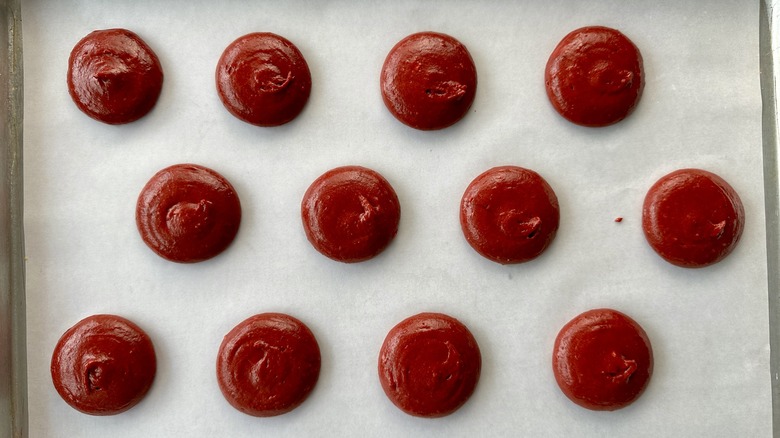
{"x":701,"y":108}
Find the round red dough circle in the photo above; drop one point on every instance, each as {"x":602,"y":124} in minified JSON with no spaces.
{"x":188,"y":213}
{"x":594,"y":76}
{"x":268,"y":364}
{"x":602,"y":360}
{"x":509,"y":214}
{"x":263,"y":79}
{"x":428,"y":81}
{"x":113,"y":76}
{"x":103,"y":365}
{"x":692,"y":218}
{"x":429,"y":365}
{"x":350,"y":214}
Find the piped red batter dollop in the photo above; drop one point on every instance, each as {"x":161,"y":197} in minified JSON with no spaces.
{"x":114,"y":76}
{"x":268,"y":364}
{"x":509,"y":214}
{"x":188,"y":213}
{"x":692,"y":218}
{"x":594,"y":76}
{"x":429,"y":365}
{"x":428,"y":81}
{"x":350,"y":214}
{"x":103,"y":365}
{"x":602,"y":360}
{"x":263,"y":79}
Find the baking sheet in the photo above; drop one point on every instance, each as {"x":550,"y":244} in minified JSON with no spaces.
{"x":13,"y":365}
{"x":701,"y":108}
{"x":769,"y":41}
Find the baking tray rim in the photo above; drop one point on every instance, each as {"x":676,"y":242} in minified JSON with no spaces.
{"x":13,"y":365}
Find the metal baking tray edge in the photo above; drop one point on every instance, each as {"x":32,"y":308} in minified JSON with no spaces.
{"x":13,"y":365}
{"x":768,"y":28}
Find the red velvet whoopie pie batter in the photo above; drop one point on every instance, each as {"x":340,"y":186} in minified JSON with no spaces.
{"x":350,"y":214}
{"x":509,"y":214}
{"x":114,"y":76}
{"x":594,"y":77}
{"x":602,"y":360}
{"x":428,"y":81}
{"x":103,"y":365}
{"x":268,"y":364}
{"x":263,"y":79}
{"x":692,"y":218}
{"x":188,"y":213}
{"x":429,"y":365}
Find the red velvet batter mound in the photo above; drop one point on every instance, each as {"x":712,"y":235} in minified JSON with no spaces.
{"x":188,"y":213}
{"x":263,"y":79}
{"x":350,"y":214}
{"x":103,"y":365}
{"x":429,"y":81}
{"x":113,"y":76}
{"x":602,"y":360}
{"x":268,"y":364}
{"x":509,"y":214}
{"x":594,"y":76}
{"x":429,"y":365}
{"x":692,"y":218}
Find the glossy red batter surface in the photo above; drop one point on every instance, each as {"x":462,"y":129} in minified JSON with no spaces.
{"x":429,"y":365}
{"x":509,"y":214}
{"x":594,"y":76}
{"x":188,"y":213}
{"x":350,"y":214}
{"x":428,"y":81}
{"x":602,"y":360}
{"x":103,"y":365}
{"x":263,"y":79}
{"x":692,"y":218}
{"x":268,"y":364}
{"x":114,"y":76}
